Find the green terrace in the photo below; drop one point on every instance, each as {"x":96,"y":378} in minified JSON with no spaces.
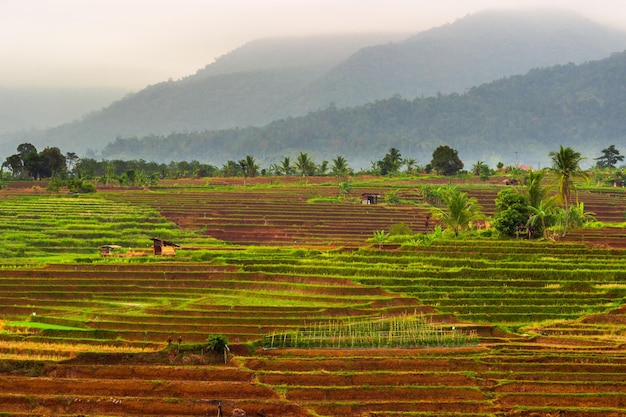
{"x":46,"y":225}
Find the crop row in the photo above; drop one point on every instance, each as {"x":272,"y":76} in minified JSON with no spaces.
{"x":172,"y":391}
{"x":459,"y":382}
{"x":151,"y":307}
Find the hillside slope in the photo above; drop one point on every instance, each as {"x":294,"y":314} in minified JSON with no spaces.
{"x":523,"y":116}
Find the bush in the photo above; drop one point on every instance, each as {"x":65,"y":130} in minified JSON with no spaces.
{"x":400,"y":229}
{"x":512,"y":212}
{"x":217,"y":343}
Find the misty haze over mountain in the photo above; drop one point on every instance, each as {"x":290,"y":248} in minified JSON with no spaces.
{"x":271,"y":79}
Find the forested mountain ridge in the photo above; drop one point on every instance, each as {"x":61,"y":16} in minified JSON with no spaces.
{"x":519,"y":118}
{"x":264,"y":81}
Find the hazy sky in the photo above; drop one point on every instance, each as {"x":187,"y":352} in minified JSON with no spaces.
{"x":133,"y":43}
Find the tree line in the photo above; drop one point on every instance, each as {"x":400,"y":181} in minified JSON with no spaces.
{"x":29,"y":163}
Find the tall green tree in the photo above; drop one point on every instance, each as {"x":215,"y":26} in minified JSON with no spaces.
{"x":512,"y":212}
{"x":71,"y":158}
{"x":54,"y":163}
{"x":610,"y":157}
{"x":24,"y":149}
{"x":566,"y":167}
{"x":15,"y":164}
{"x":446,"y":161}
{"x":459,"y":209}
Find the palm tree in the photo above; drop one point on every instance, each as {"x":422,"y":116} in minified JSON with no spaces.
{"x":391,"y":163}
{"x":275,"y":169}
{"x":566,"y":166}
{"x":460,"y":210}
{"x":249,"y":168}
{"x":339,"y":167}
{"x":305,"y":164}
{"x":534,"y":191}
{"x":286,"y":167}
{"x":410,"y":165}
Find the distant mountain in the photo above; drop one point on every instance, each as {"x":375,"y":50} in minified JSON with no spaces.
{"x":452,"y":58}
{"x":272,"y":79}
{"x":515,"y":119}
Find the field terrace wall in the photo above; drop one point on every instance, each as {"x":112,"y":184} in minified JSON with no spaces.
{"x":535,"y":382}
{"x":72,"y":388}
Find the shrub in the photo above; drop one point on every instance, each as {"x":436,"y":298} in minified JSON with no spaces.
{"x":217,"y":343}
{"x":400,"y":229}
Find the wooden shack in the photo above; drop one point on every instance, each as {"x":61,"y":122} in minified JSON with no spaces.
{"x":107,"y":250}
{"x":368,"y":198}
{"x":163,"y":247}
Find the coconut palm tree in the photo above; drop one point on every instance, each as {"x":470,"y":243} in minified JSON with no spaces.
{"x":459,"y":211}
{"x":249,"y":168}
{"x":305,"y":164}
{"x":534,"y":191}
{"x":286,"y":167}
{"x":566,"y":167}
{"x":340,"y":168}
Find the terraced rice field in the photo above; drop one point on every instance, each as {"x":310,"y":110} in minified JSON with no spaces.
{"x":81,"y":335}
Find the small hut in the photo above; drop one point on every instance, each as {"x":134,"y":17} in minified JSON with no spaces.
{"x":164,"y":247}
{"x":107,"y":250}
{"x":368,"y":198}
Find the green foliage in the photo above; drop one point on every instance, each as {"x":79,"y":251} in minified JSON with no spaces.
{"x":345,"y":188}
{"x":446,"y":161}
{"x":391,"y":162}
{"x":533,"y":189}
{"x":217,"y":343}
{"x":431,"y":194}
{"x":610,"y":157}
{"x":481,"y":169}
{"x":249,"y":167}
{"x":459,"y":209}
{"x":391,"y":197}
{"x":305,"y":164}
{"x":400,"y":229}
{"x":511,"y":212}
{"x":340,"y":167}
{"x":380,"y":237}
